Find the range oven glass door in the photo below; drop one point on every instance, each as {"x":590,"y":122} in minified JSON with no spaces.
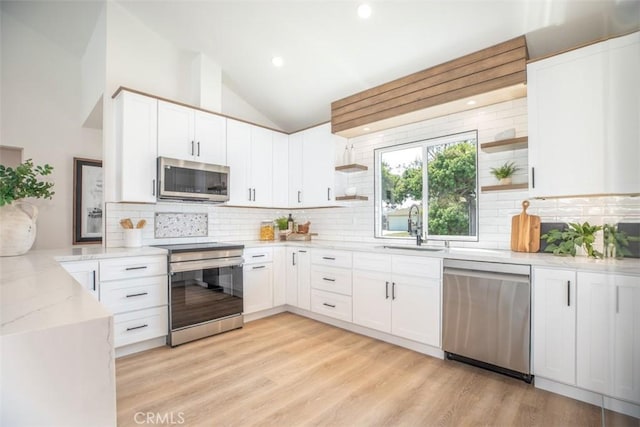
{"x":205,"y":294}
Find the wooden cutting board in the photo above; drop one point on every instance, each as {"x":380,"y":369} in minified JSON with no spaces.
{"x":525,"y":231}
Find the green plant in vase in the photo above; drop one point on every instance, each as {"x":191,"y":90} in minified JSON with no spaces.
{"x":565,"y":242}
{"x":616,"y":243}
{"x":281,"y":223}
{"x":504,"y":172}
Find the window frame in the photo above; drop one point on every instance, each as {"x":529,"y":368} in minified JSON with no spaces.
{"x":424,"y":143}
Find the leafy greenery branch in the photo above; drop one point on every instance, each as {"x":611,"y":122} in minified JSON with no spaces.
{"x":23,"y":182}
{"x":565,"y":242}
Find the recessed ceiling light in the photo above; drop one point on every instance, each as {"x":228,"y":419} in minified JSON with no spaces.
{"x":277,"y":61}
{"x":471,"y":102}
{"x":364,"y":11}
{"x":366,"y":129}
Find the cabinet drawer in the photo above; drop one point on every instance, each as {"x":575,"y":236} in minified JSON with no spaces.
{"x":331,"y":279}
{"x":331,"y":258}
{"x":415,"y":266}
{"x":129,"y":328}
{"x":330,"y":304}
{"x":371,"y":262}
{"x":257,"y":255}
{"x":132,"y":267}
{"x":120,"y":296}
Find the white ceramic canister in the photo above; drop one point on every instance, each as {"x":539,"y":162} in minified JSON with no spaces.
{"x":132,"y":237}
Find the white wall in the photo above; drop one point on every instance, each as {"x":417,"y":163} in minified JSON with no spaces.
{"x":41,"y":111}
{"x":93,"y":67}
{"x":235,"y":106}
{"x":354,"y":221}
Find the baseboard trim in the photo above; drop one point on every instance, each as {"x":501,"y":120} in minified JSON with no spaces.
{"x":391,"y":339}
{"x":264,"y":313}
{"x":587,"y":396}
{"x":141,"y":346}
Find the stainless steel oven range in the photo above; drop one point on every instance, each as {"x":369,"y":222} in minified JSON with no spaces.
{"x":205,"y":290}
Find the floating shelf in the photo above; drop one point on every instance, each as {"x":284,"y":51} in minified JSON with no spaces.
{"x":521,"y":186}
{"x":338,"y":198}
{"x":505,"y":144}
{"x":352,"y":168}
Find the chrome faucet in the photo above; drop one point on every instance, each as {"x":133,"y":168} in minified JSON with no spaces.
{"x":415,"y":226}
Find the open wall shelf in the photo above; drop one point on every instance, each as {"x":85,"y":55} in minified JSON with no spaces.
{"x":351,"y":168}
{"x":339,"y":198}
{"x":521,"y":186}
{"x":505,"y":144}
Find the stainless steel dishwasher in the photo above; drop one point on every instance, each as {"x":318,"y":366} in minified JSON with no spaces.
{"x":487,"y":315}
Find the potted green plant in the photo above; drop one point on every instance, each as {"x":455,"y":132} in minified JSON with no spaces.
{"x":17,"y":217}
{"x":282,"y":226}
{"x":504,"y":172}
{"x":615,"y":242}
{"x":565,"y":242}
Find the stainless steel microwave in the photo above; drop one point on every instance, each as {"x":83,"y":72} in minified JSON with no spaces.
{"x":192,"y":181}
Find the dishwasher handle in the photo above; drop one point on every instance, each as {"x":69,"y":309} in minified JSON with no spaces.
{"x":519,"y":278}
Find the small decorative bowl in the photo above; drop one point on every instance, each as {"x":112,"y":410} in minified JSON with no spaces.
{"x":350,"y":191}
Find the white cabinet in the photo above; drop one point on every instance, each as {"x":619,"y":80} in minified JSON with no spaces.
{"x":608,"y":335}
{"x":280,"y":180}
{"x":398,"y":295}
{"x":298,"y":290}
{"x":136,"y":127}
{"x":189,"y":134}
{"x":257,"y":279}
{"x":250,"y":158}
{"x":85,"y":273}
{"x":554,"y":324}
{"x":279,"y":276}
{"x":331,"y":283}
{"x":312,"y":167}
{"x":583,"y":112}
{"x":135,"y":289}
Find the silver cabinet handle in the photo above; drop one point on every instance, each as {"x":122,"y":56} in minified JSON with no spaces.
{"x":329,"y":305}
{"x":329,"y":258}
{"x":249,"y":194}
{"x":329,"y":193}
{"x":299,"y":195}
{"x":258,"y":256}
{"x":137,"y":327}
{"x":254,"y":194}
{"x":94,"y":279}
{"x":153,"y":187}
{"x":192,"y":150}
{"x":198,"y":148}
{"x":328,"y":280}
{"x":293,"y":258}
{"x":136,"y":268}
{"x":393,"y":290}
{"x":304,"y":252}
{"x":137,"y":295}
{"x":259,"y":267}
{"x":568,"y":293}
{"x":533,"y":177}
{"x":386,"y":290}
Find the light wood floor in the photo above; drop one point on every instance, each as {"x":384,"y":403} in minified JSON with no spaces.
{"x":288,"y":370}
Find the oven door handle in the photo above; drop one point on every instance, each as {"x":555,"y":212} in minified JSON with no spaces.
{"x":178,"y":267}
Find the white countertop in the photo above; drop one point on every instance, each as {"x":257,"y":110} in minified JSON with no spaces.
{"x":620,"y":266}
{"x":37,"y":293}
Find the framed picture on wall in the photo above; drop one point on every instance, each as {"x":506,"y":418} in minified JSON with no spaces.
{"x":87,"y":201}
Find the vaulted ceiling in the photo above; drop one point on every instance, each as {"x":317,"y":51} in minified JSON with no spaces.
{"x":328,"y":51}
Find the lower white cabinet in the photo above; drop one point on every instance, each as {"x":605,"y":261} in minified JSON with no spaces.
{"x":85,"y":273}
{"x":587,"y":331}
{"x":257,"y":279}
{"x":279,"y":276}
{"x":554,"y":324}
{"x":298,"y":289}
{"x":331,"y":304}
{"x":608,"y":335}
{"x":135,"y":290}
{"x":404,"y":305}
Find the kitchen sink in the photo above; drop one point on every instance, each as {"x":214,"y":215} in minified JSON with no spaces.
{"x":414,"y":248}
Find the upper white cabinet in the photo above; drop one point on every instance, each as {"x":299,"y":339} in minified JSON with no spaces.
{"x":554,"y":324}
{"x":280,"y":181}
{"x":250,"y":158}
{"x":136,"y":127}
{"x":188,"y":134}
{"x":312,"y":167}
{"x":608,"y":345}
{"x":583,"y":109}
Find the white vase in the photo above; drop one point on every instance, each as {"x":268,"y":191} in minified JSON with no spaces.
{"x":17,"y":228}
{"x":506,"y":181}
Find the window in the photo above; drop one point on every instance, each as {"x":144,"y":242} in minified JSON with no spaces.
{"x":428,"y":187}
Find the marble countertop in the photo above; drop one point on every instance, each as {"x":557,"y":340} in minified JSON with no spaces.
{"x":620,"y":266}
{"x":37,"y":293}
